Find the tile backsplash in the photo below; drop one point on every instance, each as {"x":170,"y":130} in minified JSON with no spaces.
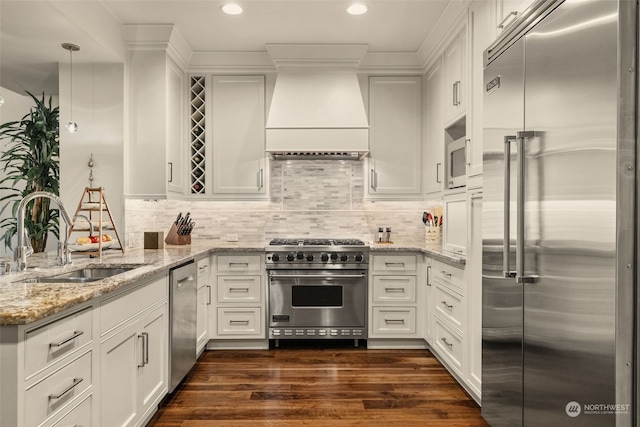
{"x":308,"y":198}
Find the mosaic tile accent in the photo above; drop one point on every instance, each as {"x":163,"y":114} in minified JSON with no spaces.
{"x":307,"y":199}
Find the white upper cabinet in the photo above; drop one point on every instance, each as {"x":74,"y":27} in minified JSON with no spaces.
{"x":481,"y":34}
{"x":156,"y":140}
{"x":237,"y":128}
{"x":454,"y":77}
{"x":395,"y":138}
{"x":175,"y":128}
{"x":434,"y":170}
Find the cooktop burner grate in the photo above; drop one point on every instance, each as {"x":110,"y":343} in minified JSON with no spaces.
{"x":316,"y":242}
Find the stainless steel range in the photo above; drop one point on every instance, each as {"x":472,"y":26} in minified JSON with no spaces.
{"x":317,"y":289}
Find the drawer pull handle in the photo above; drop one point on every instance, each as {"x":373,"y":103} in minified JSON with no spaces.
{"x":75,"y":382}
{"x":238,"y":322}
{"x":394,"y":290}
{"x":394,"y":321}
{"x":447,"y":343}
{"x":391,"y":264}
{"x":445,"y":273}
{"x":450,"y":307}
{"x":243,"y":290}
{"x":145,"y":349}
{"x":204,"y":267}
{"x":238,"y":264}
{"x":75,"y":335}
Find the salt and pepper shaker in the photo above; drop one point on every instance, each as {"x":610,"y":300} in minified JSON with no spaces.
{"x":380,"y":234}
{"x":387,"y":237}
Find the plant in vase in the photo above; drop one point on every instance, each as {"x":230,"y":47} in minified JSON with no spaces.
{"x":31,"y":162}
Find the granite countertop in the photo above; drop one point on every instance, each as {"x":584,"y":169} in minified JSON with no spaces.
{"x":23,"y":303}
{"x":434,"y":251}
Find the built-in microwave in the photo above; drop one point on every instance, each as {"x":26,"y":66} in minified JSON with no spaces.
{"x":456,"y":163}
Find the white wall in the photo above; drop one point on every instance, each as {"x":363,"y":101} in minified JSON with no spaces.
{"x":98,"y":108}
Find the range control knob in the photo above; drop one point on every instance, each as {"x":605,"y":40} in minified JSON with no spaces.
{"x":324,"y":257}
{"x":359,"y":258}
{"x":275,"y":258}
{"x":310,"y":257}
{"x":300,"y":255}
{"x":334,"y":256}
{"x":290,"y":257}
{"x":344,"y":258}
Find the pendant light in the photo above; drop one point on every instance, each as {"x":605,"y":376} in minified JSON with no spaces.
{"x":71,"y":126}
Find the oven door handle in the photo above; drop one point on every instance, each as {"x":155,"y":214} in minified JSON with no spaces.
{"x":316,"y":276}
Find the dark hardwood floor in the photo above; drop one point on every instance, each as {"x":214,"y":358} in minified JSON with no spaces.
{"x":318,"y":387}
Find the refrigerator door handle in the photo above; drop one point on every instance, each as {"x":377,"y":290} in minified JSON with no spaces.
{"x":522,"y":138}
{"x":506,"y":246}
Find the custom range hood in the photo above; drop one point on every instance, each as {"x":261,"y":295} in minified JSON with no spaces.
{"x":317,"y":109}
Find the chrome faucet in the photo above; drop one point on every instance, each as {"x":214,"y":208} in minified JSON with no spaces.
{"x":22,"y":249}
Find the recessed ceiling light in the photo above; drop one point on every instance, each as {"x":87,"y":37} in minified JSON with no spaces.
{"x":231,"y":9}
{"x":357,"y":9}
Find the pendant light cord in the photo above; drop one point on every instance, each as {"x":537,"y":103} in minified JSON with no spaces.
{"x":71,"y":82}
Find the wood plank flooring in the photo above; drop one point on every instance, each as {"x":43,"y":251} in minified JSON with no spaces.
{"x":319,"y":387}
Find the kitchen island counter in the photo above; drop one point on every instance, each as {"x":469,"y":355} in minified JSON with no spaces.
{"x":22,"y":303}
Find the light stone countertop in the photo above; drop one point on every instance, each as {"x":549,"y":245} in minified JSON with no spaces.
{"x":23,"y":303}
{"x":434,"y":251}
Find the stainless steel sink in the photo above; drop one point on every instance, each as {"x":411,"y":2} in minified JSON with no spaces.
{"x":84,"y":275}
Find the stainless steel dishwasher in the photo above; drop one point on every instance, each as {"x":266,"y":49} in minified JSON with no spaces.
{"x":182,"y":329}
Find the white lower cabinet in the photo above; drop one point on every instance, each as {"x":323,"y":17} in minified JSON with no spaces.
{"x":79,"y":415}
{"x":240,"y":321}
{"x":100,"y":363}
{"x":450,"y":345}
{"x":454,"y":304}
{"x":48,"y":369}
{"x":395,"y":297}
{"x":204,"y":301}
{"x":239,"y":307}
{"x":134,"y":356}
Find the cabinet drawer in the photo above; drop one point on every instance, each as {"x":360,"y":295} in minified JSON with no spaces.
{"x":239,"y":288}
{"x":449,"y":346}
{"x":80,"y":415}
{"x":50,"y":343}
{"x":203,"y":271}
{"x":239,"y":263}
{"x":449,"y":275}
{"x":116,"y":310}
{"x":449,"y":305}
{"x":387,"y":263}
{"x":57,"y":390}
{"x":240,"y":321}
{"x":394,"y":320}
{"x":394,"y":288}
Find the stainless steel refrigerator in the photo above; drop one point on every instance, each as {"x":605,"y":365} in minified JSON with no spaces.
{"x":559,"y":217}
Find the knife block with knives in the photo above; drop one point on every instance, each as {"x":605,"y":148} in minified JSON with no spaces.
{"x":180,"y":231}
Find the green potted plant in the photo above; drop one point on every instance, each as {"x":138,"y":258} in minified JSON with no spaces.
{"x":31,"y":162}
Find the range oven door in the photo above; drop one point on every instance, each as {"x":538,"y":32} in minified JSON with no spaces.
{"x":317,"y":298}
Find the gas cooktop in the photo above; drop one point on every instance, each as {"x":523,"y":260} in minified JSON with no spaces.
{"x":316,"y":242}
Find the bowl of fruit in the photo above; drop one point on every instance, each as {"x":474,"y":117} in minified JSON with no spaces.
{"x":91,"y":243}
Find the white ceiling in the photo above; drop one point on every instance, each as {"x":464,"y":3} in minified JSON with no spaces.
{"x":31,"y":31}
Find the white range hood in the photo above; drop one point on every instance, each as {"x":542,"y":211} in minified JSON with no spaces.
{"x":317,"y":108}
